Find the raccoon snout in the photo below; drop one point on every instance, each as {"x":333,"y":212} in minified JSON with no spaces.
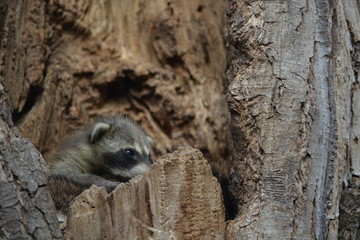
{"x":139,"y":169}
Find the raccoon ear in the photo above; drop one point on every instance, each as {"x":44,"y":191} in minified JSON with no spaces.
{"x":98,"y":131}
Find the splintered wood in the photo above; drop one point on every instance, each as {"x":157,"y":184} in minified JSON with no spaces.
{"x":178,"y":199}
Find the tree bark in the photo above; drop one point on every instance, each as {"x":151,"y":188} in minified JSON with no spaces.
{"x":160,"y":62}
{"x":64,"y":63}
{"x":26,"y":207}
{"x":293,"y":72}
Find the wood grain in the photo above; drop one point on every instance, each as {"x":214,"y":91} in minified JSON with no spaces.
{"x":178,"y":199}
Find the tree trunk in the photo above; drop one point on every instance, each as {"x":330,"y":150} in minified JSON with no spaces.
{"x":64,"y":63}
{"x":293,"y":72}
{"x":160,"y":62}
{"x":26,"y":207}
{"x":293,"y":97}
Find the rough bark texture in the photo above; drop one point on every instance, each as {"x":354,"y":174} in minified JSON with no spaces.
{"x":293,"y":95}
{"x":161,"y":62}
{"x":349,"y":219}
{"x":293,"y":72}
{"x":178,"y":199}
{"x":64,"y":62}
{"x":26,"y":207}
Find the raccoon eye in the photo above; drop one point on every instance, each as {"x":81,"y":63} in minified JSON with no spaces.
{"x":130,"y":152}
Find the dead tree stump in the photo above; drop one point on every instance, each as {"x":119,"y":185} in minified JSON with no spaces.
{"x":178,"y":199}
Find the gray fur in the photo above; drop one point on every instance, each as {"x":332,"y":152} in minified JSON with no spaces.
{"x":101,"y":155}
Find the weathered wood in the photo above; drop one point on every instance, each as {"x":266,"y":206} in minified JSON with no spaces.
{"x":26,"y":207}
{"x":349,"y":219}
{"x":64,"y":62}
{"x":293,"y":99}
{"x":161,"y":62}
{"x":178,"y":199}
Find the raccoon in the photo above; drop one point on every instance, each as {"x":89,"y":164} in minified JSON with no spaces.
{"x":111,"y":151}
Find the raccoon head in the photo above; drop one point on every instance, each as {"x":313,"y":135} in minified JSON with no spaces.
{"x":122,"y":147}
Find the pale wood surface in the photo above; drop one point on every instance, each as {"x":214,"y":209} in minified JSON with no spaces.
{"x":178,"y":199}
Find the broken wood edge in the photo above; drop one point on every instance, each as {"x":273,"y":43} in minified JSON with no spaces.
{"x":178,"y":198}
